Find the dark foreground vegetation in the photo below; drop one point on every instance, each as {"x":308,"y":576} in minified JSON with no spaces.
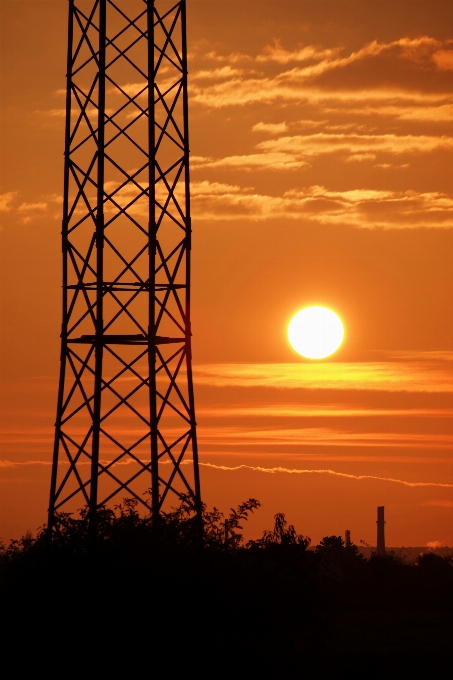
{"x":156,"y":600}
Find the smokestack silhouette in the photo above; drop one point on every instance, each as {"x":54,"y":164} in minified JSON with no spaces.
{"x":347,"y":538}
{"x":380,"y":549}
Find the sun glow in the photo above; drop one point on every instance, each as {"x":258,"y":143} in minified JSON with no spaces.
{"x":315,"y":332}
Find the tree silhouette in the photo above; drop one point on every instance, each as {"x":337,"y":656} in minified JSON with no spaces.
{"x":283,"y":534}
{"x":345,"y":556}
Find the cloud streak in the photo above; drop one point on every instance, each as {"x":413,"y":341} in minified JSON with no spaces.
{"x":315,"y":411}
{"x":297,"y":471}
{"x":255,"y":468}
{"x":321,"y":436}
{"x":293,"y":152}
{"x":358,"y":208}
{"x":325,"y":59}
{"x":287,"y":88}
{"x":381,"y":376}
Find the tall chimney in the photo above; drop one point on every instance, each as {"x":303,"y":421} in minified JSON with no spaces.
{"x":347,"y":538}
{"x":380,"y":549}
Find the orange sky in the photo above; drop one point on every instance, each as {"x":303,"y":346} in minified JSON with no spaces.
{"x":322,"y":145}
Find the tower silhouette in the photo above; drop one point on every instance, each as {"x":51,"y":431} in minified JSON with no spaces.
{"x":380,"y":544}
{"x":125,"y":421}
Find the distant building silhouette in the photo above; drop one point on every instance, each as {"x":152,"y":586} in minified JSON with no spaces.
{"x":347,"y":538}
{"x":380,"y":545}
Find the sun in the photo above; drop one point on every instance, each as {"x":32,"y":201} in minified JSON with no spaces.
{"x":315,"y":332}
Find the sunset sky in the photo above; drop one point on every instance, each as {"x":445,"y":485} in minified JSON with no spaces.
{"x":322,"y":146}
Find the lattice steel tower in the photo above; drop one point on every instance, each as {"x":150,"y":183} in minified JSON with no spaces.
{"x":125,"y":416}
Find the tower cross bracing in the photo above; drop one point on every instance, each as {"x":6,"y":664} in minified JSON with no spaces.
{"x":125,"y":417}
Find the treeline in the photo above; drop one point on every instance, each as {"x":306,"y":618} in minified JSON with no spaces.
{"x":180,"y":595}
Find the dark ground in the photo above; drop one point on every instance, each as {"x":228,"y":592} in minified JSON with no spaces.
{"x":157,"y":603}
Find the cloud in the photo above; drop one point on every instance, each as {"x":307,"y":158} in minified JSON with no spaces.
{"x":428,"y":114}
{"x":244,"y":437}
{"x":270,"y":128}
{"x":232,"y":58}
{"x":412,"y":49}
{"x":213,"y":201}
{"x":443,"y":60}
{"x":316,"y":411}
{"x":216,"y":73}
{"x":416,"y":355}
{"x":206,"y":188}
{"x":297,"y":471}
{"x":6,"y":200}
{"x":295,"y":84}
{"x":132,"y":89}
{"x":381,"y":376}
{"x":276,"y":53}
{"x":12,"y":464}
{"x":435,"y":544}
{"x":422,"y":48}
{"x":55,"y":198}
{"x":253,"y":161}
{"x":25,"y":211}
{"x":322,"y":142}
{"x":386,"y":166}
{"x":91,"y":112}
{"x":298,"y":151}
{"x":273,"y":470}
{"x":203,"y":193}
{"x":26,"y":207}
{"x":359,"y":157}
{"x":288,"y":88}
{"x":320,"y":436}
{"x":359,"y":208}
{"x":439,"y":504}
{"x":53,"y":113}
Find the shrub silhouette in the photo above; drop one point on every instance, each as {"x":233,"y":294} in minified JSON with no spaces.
{"x":264,"y":608}
{"x":430,"y":563}
{"x":283,"y":535}
{"x":334,"y":549}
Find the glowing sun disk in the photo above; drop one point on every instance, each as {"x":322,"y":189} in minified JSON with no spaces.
{"x":315,"y":332}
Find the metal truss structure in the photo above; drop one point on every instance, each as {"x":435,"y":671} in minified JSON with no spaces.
{"x":125,"y":417}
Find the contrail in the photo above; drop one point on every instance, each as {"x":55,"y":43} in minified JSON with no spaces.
{"x":297,"y":471}
{"x":273,"y":470}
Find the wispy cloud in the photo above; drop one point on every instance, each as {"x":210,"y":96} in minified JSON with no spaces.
{"x":406,"y":48}
{"x":297,"y":471}
{"x":277,"y":53}
{"x":28,"y":211}
{"x":293,"y":152}
{"x":417,"y":355}
{"x":441,"y":503}
{"x":431,"y":114}
{"x":303,"y":84}
{"x":213,"y":201}
{"x":288,"y":88}
{"x":320,"y":436}
{"x":382,"y":376}
{"x":360,"y":208}
{"x":279,"y":410}
{"x":270,"y":128}
{"x":443,"y":60}
{"x":321,"y":143}
{"x":6,"y":200}
{"x":253,"y":161}
{"x":216,"y":73}
{"x":324,"y":59}
{"x":271,"y":470}
{"x":31,"y":207}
